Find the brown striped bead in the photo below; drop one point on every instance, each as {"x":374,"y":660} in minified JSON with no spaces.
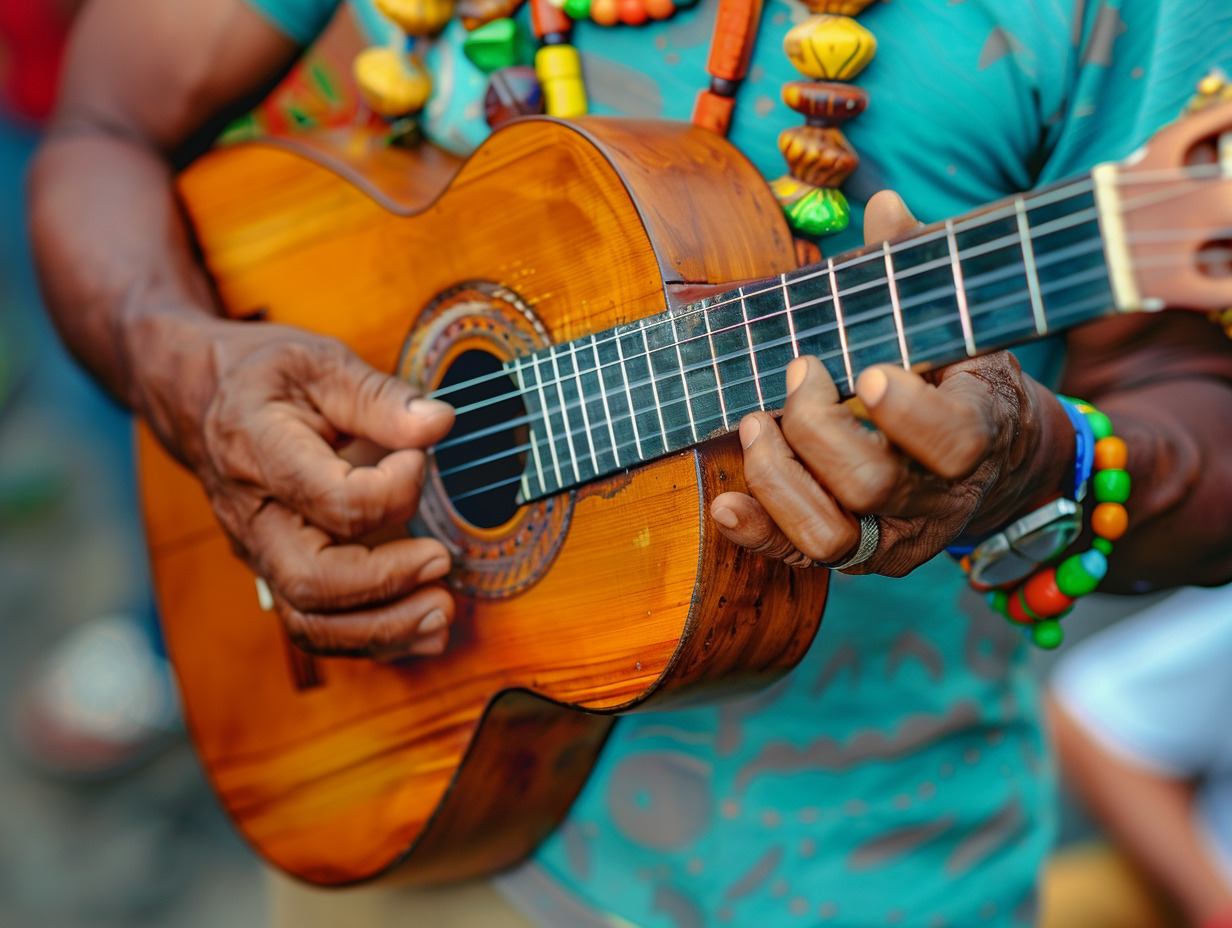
{"x":817,"y":156}
{"x":476,"y":13}
{"x":823,"y":103}
{"x":838,"y":7}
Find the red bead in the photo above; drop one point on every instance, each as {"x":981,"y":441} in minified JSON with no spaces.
{"x":1016,"y":610}
{"x":1042,"y":596}
{"x":713,"y":112}
{"x":632,"y":12}
{"x":660,"y":9}
{"x":829,"y":104}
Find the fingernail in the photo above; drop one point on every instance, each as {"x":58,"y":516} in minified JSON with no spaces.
{"x":750,"y":428}
{"x":724,"y":516}
{"x":436,"y":568}
{"x":797,"y":370}
{"x":429,"y":646}
{"x":433,"y":621}
{"x":422,"y":406}
{"x":872,"y":386}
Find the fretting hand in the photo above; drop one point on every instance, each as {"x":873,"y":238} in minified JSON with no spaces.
{"x":964,"y":448}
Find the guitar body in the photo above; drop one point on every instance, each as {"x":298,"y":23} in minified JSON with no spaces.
{"x":615,"y":596}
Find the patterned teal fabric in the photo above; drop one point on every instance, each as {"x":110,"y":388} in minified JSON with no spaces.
{"x":898,"y":775}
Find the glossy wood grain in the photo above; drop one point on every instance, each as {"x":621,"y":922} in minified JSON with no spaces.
{"x":449,"y":765}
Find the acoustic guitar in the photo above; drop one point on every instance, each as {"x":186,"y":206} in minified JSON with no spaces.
{"x":602,"y":301}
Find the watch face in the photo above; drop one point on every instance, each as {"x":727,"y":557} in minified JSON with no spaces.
{"x":1034,"y":539}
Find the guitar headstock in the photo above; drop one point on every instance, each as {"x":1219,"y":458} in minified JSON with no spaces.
{"x":1166,"y":212}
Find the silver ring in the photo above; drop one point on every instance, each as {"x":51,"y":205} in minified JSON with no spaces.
{"x":870,"y":538}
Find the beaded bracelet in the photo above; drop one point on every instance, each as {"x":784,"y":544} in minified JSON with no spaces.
{"x":1048,"y":595}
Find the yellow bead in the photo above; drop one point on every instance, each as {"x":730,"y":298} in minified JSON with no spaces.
{"x":830,"y":48}
{"x":1111,"y":453}
{"x":390,"y":82}
{"x":418,"y":17}
{"x":560,"y":72}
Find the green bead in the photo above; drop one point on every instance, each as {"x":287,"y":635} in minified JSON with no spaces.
{"x":1100,"y":424}
{"x":1047,"y":634}
{"x":823,"y":211}
{"x":1103,"y":544}
{"x":999,"y":600}
{"x":1080,"y":574}
{"x":1111,"y":486}
{"x":502,"y":43}
{"x":577,"y":9}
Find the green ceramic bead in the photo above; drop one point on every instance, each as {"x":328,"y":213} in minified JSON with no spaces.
{"x":1080,"y":574}
{"x":823,"y":211}
{"x":1103,"y":544}
{"x":1100,"y":424}
{"x":1047,"y":634}
{"x":1111,"y":486}
{"x":501,"y":43}
{"x":999,"y":600}
{"x":577,"y":9}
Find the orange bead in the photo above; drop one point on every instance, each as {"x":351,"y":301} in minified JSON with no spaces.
{"x":1111,"y":453}
{"x":660,"y":9}
{"x":605,"y":12}
{"x":1042,"y":596}
{"x":711,"y":111}
{"x":632,"y":12}
{"x":1110,"y":520}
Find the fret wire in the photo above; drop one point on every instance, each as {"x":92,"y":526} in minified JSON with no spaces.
{"x":1028,"y":259}
{"x":624,"y":373}
{"x":611,"y":430}
{"x":714,"y":360}
{"x":684,"y":381}
{"x":577,"y":375}
{"x":564,"y":413}
{"x":842,"y":329}
{"x":547,"y":422}
{"x":517,"y":367}
{"x":654,"y":385}
{"x":791,"y":322}
{"x":1061,"y":312}
{"x":898,"y":311}
{"x":960,"y":289}
{"x":748,"y":334}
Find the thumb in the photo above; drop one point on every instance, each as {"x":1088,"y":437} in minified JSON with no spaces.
{"x":885,"y":217}
{"x":363,"y":402}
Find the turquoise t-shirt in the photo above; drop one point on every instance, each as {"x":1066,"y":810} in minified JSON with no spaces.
{"x":898,"y":775}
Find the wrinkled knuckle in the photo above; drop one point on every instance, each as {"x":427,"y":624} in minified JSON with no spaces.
{"x":825,"y":542}
{"x":299,"y":587}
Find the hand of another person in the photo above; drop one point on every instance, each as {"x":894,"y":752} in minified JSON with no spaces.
{"x":265,"y":437}
{"x":963,"y":448}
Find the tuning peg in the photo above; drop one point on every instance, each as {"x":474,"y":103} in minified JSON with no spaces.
{"x":1214,"y":88}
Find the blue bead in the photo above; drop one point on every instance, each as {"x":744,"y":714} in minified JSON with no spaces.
{"x":1095,"y":563}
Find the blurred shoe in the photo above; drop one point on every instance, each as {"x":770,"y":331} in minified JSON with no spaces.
{"x":100,"y":703}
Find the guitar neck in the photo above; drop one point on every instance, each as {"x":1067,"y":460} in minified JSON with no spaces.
{"x":1010,"y":272}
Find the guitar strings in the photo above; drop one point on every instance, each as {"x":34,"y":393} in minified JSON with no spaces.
{"x":870,"y":314}
{"x":1010,"y":240}
{"x":1080,"y":187}
{"x":978,"y":310}
{"x":1007,"y":241}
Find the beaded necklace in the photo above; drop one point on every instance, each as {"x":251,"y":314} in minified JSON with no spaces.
{"x":830,"y":48}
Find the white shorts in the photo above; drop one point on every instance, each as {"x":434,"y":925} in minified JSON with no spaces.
{"x":1156,"y":691}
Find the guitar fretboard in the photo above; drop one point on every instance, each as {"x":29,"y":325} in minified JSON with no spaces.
{"x":614,"y":399}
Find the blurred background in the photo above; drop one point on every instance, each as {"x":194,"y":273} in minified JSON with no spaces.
{"x":105,"y":818}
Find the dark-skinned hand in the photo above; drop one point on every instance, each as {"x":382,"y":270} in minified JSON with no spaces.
{"x":274,"y":439}
{"x":963,"y":448}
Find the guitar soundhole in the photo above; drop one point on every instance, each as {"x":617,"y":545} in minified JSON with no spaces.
{"x":481,"y":474}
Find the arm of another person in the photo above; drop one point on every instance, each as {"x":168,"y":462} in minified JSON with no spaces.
{"x":256,"y":410}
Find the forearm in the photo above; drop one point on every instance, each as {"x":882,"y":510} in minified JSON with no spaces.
{"x":118,"y":273}
{"x":1166,"y":383}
